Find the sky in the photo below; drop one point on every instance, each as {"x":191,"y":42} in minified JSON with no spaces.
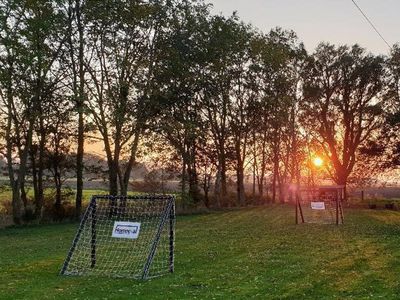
{"x":334,"y":21}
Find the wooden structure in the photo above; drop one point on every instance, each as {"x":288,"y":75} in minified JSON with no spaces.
{"x":320,"y":199}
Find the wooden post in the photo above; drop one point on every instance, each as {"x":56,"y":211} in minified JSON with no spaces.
{"x":301,"y":213}
{"x":297,"y":209}
{"x":337,"y":206}
{"x":300,"y":209}
{"x":341,"y":209}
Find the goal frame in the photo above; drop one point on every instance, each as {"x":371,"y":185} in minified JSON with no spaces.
{"x":167,"y":218}
{"x":339,"y":215}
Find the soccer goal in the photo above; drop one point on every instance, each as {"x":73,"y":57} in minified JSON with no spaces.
{"x":321,"y":205}
{"x":130,"y":237}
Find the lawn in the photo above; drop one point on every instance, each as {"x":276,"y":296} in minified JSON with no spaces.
{"x":250,"y":253}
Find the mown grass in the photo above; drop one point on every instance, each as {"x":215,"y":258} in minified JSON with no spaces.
{"x":251,"y":253}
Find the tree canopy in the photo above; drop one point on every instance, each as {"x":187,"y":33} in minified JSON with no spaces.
{"x":234,"y":106}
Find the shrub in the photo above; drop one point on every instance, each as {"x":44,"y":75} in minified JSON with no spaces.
{"x":6,"y":207}
{"x":65,"y":211}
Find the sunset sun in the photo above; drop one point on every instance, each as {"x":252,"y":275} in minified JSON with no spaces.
{"x":317,"y":161}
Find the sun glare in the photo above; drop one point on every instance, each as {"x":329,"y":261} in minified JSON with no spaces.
{"x":317,"y":161}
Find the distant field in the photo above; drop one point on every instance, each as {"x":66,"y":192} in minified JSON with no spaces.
{"x":377,"y":192}
{"x":7,"y":196}
{"x":251,"y":253}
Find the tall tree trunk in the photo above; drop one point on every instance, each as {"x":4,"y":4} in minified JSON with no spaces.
{"x":254,"y":165}
{"x":33,"y":153}
{"x":78,"y":90}
{"x":275,"y":178}
{"x":239,"y":174}
{"x":16,"y":183}
{"x":23,"y":195}
{"x":223,"y":191}
{"x":16,"y":203}
{"x":183,"y":182}
{"x":183,"y":175}
{"x":79,"y":163}
{"x":261,"y":174}
{"x":14,"y":177}
{"x":81,"y":103}
{"x":254,"y":179}
{"x":261,"y":186}
{"x":224,"y":188}
{"x":240,"y":184}
{"x":113,"y":178}
{"x":206,"y":187}
{"x":39,"y":198}
{"x":130,"y":163}
{"x":217,"y":187}
{"x":193,"y":183}
{"x":58,"y":185}
{"x":342,"y":180}
{"x":194,"y":191}
{"x":281,"y":188}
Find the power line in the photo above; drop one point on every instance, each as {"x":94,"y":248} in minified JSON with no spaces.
{"x":372,"y":24}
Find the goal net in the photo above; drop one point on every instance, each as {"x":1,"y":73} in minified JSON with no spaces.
{"x":322,"y":205}
{"x":120,"y":236}
{"x":319,"y":211}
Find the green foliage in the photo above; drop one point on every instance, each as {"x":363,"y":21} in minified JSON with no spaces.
{"x":253,"y":253}
{"x":225,"y":96}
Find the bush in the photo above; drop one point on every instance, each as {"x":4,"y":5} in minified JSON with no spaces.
{"x":383,"y":204}
{"x":65,"y":211}
{"x":389,"y":205}
{"x":29,"y":214}
{"x":257,"y":199}
{"x":151,"y":183}
{"x":6,"y":207}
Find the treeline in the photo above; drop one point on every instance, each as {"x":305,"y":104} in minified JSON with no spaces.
{"x":224,"y":96}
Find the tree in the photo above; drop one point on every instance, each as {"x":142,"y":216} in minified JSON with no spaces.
{"x":121,"y":42}
{"x":76,"y":45}
{"x":275,"y":62}
{"x":16,"y":111}
{"x":58,"y":159}
{"x":243,"y":104}
{"x":218,"y":82}
{"x":44,"y":46}
{"x":31,"y":43}
{"x":179,"y":84}
{"x":207,"y":164}
{"x":393,"y":112}
{"x":342,"y":103}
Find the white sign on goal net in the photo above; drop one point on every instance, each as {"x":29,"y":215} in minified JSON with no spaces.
{"x":318,"y":205}
{"x":126,"y":230}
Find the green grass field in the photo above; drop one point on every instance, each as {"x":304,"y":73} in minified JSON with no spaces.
{"x":251,"y":253}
